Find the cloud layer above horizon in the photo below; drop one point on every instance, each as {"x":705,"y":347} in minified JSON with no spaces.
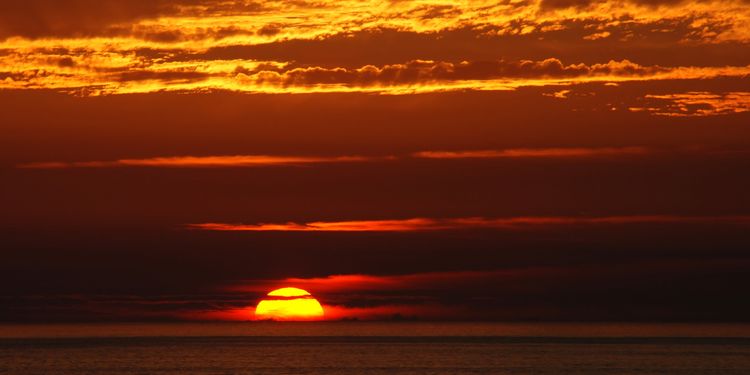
{"x":116,"y":47}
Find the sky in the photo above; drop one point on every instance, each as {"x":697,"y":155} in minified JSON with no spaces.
{"x":513,"y":160}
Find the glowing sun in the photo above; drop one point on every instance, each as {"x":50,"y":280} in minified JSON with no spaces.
{"x":289,"y":304}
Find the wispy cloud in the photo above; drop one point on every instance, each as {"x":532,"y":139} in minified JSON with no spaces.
{"x":204,"y":162}
{"x":244,"y":161}
{"x":533,"y":153}
{"x":366,"y":283}
{"x":432,"y":224}
{"x":696,"y":104}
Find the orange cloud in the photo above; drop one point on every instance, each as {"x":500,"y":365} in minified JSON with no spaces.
{"x":697,"y":104}
{"x":89,"y":47}
{"x":45,"y":18}
{"x":588,"y":3}
{"x":429,"y":71}
{"x":277,"y":160}
{"x":249,"y":22}
{"x":121,"y":73}
{"x":363,"y":283}
{"x":533,"y":153}
{"x":429,"y":224}
{"x":204,"y":162}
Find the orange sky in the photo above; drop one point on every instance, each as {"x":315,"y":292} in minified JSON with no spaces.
{"x":176,"y":159}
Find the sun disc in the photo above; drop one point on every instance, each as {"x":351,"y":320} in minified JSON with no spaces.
{"x":289,"y":304}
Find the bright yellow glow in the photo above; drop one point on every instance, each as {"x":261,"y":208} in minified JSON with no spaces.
{"x":289,"y":292}
{"x":289,"y":304}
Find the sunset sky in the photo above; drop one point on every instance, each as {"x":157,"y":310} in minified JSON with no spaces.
{"x":546,"y":160}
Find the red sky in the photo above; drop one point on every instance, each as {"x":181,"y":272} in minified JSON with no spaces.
{"x":480,"y":160}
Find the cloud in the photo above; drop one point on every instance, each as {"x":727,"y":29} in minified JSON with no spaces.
{"x":533,"y":153}
{"x":695,"y":104}
{"x":343,"y":284}
{"x":204,"y":162}
{"x":286,"y":160}
{"x":177,"y":75}
{"x":691,"y":40}
{"x":174,"y":21}
{"x":44,"y":18}
{"x":650,"y":3}
{"x":431,"y":224}
{"x":418,"y":71}
{"x":113,"y":73}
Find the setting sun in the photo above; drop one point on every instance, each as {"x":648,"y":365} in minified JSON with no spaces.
{"x":289,"y":304}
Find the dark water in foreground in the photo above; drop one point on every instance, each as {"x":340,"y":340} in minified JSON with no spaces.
{"x":369,"y":348}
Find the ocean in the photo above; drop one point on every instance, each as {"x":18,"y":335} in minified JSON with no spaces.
{"x":374,"y":348}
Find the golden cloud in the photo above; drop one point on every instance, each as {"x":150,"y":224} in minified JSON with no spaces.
{"x":98,"y":74}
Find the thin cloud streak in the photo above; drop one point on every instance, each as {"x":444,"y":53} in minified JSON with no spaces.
{"x":353,"y":283}
{"x":432,"y":224}
{"x":204,"y":162}
{"x":286,"y":160}
{"x":533,"y":153}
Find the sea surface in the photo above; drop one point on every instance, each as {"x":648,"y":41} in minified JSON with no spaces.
{"x":374,"y":348}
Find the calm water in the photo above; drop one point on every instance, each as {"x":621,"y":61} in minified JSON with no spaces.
{"x":374,"y":348}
